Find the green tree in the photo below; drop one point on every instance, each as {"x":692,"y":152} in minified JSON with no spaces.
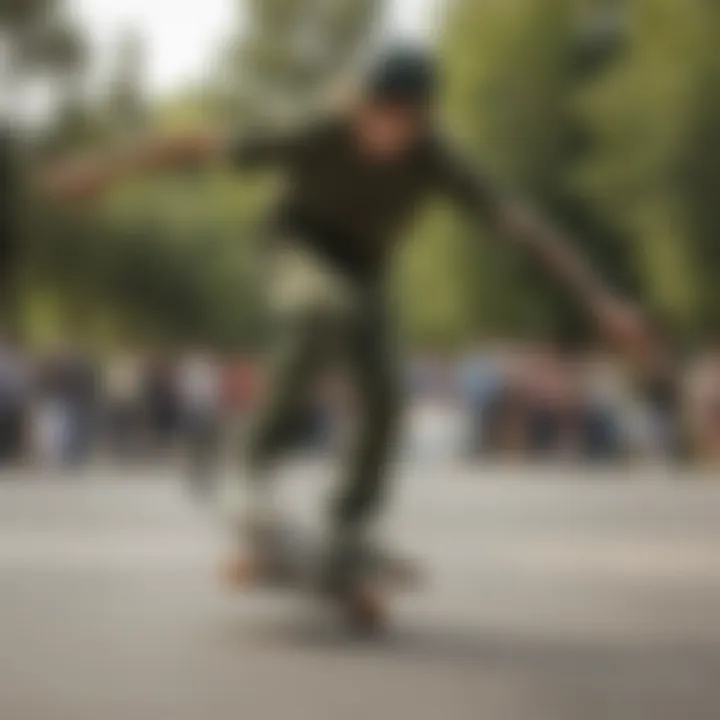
{"x":514,"y":69}
{"x":290,"y":52}
{"x":37,"y":39}
{"x":126,"y":102}
{"x":656,"y":165}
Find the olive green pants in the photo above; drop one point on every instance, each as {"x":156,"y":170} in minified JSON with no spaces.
{"x":322,"y":318}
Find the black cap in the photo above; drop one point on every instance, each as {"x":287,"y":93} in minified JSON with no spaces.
{"x":403,"y":75}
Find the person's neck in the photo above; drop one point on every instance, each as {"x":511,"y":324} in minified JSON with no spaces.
{"x":367,"y":151}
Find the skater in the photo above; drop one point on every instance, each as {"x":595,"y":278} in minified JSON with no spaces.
{"x":353,"y":181}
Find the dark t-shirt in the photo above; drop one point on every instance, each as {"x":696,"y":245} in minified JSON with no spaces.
{"x":349,"y":208}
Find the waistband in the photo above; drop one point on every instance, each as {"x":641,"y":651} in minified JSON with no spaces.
{"x":339,"y":247}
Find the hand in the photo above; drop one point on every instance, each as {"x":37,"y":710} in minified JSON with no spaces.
{"x":187,"y":149}
{"x":623,"y":324}
{"x":75,"y":180}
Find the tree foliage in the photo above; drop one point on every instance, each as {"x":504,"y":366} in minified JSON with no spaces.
{"x":606,"y":112}
{"x":655,"y":168}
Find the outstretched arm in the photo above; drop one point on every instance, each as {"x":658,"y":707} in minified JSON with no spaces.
{"x":534,"y":234}
{"x":553,"y":249}
{"x":86,"y":176}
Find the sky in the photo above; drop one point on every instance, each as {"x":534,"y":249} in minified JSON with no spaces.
{"x":182,"y":35}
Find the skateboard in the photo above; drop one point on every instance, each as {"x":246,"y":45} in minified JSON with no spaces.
{"x":292,"y":559}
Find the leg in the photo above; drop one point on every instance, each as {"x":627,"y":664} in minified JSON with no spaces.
{"x":311,"y":303}
{"x":363,"y":488}
{"x":373,"y":374}
{"x":295,"y":361}
{"x":314,"y":305}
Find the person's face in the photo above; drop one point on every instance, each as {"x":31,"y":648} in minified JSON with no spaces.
{"x":387,"y":131}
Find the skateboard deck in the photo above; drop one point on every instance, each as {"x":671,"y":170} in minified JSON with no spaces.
{"x":292,"y":560}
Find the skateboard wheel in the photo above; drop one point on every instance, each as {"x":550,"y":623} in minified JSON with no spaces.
{"x":239,"y":572}
{"x":366,"y":612}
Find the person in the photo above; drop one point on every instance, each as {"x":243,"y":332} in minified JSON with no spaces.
{"x":66,"y":404}
{"x":354,"y":179}
{"x":122,"y":397}
{"x":160,"y":405}
{"x":14,"y":396}
{"x":482,"y":383}
{"x":199,"y":388}
{"x":606,"y":400}
{"x":80,"y":392}
{"x":701,"y":406}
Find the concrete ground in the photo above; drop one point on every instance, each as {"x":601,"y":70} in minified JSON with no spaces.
{"x":552,"y":595}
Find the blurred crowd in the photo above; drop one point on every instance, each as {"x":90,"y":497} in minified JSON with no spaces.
{"x":65,"y":407}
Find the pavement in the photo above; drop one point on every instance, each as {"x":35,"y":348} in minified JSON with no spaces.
{"x":552,"y":594}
